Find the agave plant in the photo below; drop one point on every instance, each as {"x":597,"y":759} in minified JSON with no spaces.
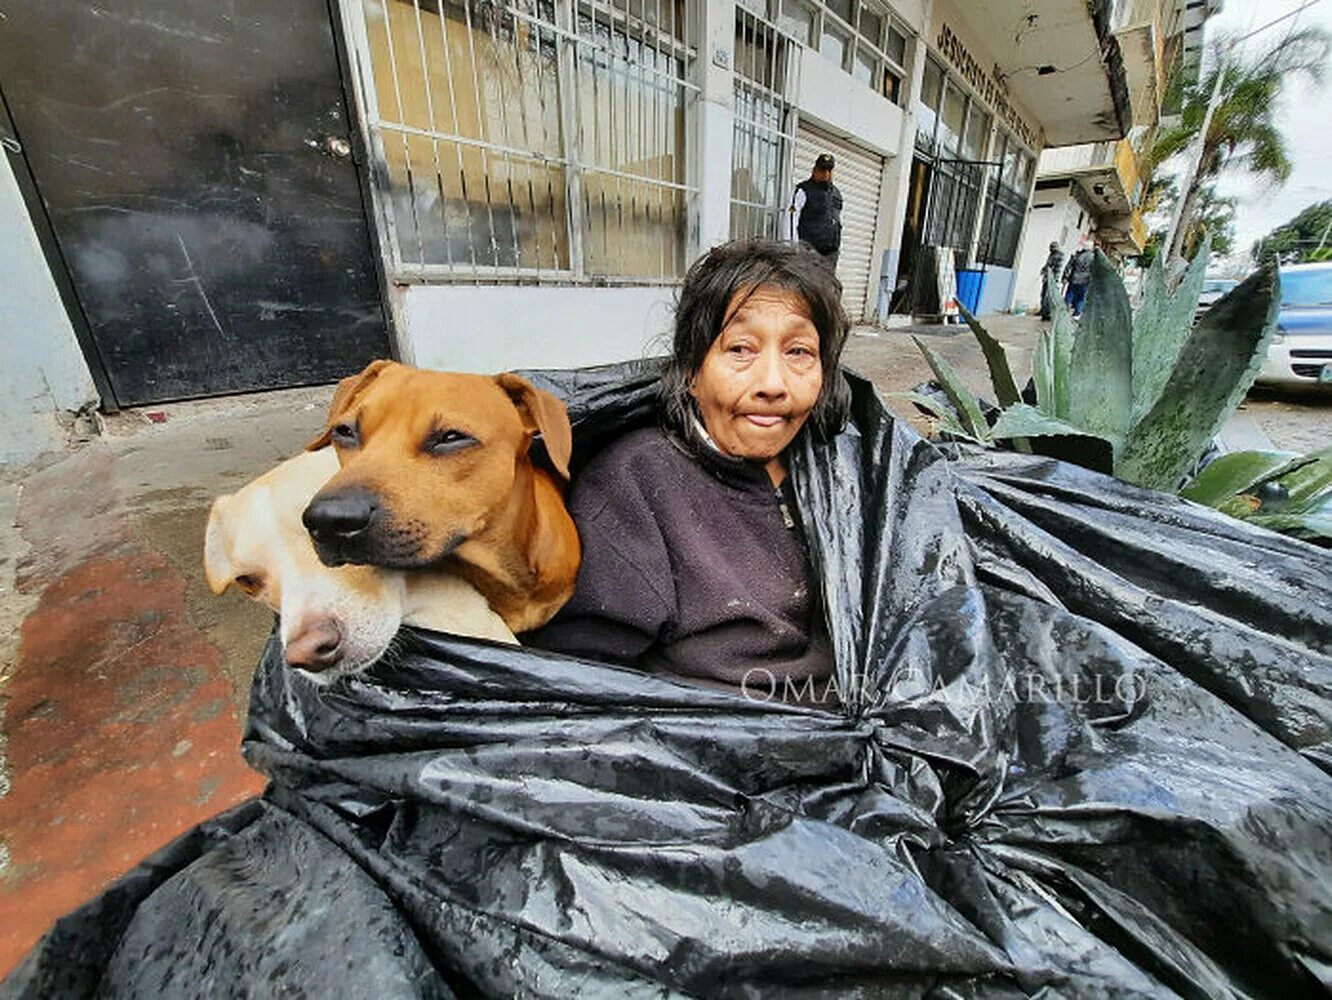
{"x":1137,"y":395}
{"x":1287,"y":493}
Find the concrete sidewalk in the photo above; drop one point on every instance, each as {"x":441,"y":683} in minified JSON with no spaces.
{"x":124,"y":679}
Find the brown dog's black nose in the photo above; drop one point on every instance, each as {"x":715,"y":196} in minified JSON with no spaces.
{"x":339,"y":518}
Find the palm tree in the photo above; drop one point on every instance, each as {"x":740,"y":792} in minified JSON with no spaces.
{"x":1243,"y":128}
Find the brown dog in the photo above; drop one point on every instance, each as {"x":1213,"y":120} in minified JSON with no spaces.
{"x":436,"y":472}
{"x":331,"y":621}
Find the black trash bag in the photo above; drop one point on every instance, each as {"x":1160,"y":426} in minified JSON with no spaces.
{"x":1084,"y":751}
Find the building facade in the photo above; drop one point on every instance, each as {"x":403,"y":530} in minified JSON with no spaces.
{"x":1101,"y":187}
{"x":535,"y":175}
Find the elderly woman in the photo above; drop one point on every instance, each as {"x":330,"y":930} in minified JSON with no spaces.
{"x":694,"y":561}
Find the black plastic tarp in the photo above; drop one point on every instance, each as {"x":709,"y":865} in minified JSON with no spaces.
{"x":1084,"y":752}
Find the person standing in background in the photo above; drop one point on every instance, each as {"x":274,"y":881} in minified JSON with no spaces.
{"x":815,"y":215}
{"x":1078,"y":275}
{"x":1050,"y":275}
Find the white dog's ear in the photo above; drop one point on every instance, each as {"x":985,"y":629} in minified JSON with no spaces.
{"x":219,"y":570}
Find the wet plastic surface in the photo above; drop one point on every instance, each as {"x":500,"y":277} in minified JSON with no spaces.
{"x":1085,"y":752}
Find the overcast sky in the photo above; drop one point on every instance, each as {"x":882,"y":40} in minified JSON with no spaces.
{"x":1305,"y":118}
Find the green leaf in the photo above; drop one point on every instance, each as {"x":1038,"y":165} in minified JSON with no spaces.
{"x":1001,"y":375}
{"x":945,"y":417}
{"x":968,"y":406}
{"x":1101,"y":365}
{"x":1160,"y":328}
{"x":1021,"y":421}
{"x":1309,"y":478}
{"x":1216,"y":367}
{"x":1062,"y":333}
{"x":1043,"y":372}
{"x":1316,"y":525}
{"x":1232,"y":474}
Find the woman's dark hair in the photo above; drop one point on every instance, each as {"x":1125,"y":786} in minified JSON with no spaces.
{"x":704,"y":309}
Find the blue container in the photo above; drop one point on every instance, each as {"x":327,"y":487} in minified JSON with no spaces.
{"x":970,"y":288}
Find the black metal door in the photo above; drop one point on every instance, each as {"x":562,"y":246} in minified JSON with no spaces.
{"x":193,"y":160}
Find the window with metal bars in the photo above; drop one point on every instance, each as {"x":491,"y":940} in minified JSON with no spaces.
{"x":764,"y":127}
{"x":1007,"y":205}
{"x":861,"y":37}
{"x":530,"y":140}
{"x":954,"y":200}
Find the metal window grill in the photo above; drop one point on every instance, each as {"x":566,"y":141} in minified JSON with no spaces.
{"x":526,"y":140}
{"x":764,"y":130}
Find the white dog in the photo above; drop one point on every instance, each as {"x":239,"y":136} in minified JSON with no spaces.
{"x":333,"y":621}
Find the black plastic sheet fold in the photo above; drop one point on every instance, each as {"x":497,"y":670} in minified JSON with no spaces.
{"x":1084,"y":751}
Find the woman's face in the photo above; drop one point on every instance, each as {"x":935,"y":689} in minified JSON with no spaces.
{"x":761,"y":377}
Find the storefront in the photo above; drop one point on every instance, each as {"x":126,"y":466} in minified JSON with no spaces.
{"x":971,"y":174}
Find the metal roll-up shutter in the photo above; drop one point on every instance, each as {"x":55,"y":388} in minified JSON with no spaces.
{"x":858,"y":174}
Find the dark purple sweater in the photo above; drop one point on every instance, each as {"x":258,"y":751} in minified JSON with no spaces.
{"x":693,"y":565}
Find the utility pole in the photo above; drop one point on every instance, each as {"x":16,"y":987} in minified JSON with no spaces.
{"x":1174,"y":235}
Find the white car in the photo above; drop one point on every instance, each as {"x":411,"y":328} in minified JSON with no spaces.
{"x":1212,"y":289}
{"x":1301,"y":351}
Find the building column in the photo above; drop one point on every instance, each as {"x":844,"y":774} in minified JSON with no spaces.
{"x":714,"y":122}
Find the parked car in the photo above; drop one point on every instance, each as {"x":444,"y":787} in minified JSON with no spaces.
{"x":1212,"y":289}
{"x":1301,"y":351}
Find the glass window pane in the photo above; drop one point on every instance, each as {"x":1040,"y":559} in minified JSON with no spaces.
{"x":631,"y":228}
{"x":842,"y":8}
{"x":833,"y":44}
{"x":927,"y":107}
{"x":895,"y":45}
{"x":797,"y":20}
{"x":1011,"y":158}
{"x":865,"y":66}
{"x":892,"y":86}
{"x":760,"y":53}
{"x":931,"y":89}
{"x":978,"y":133}
{"x":760,"y":136}
{"x":871,"y":25}
{"x":1024,"y":172}
{"x":953,"y":118}
{"x":453,"y":204}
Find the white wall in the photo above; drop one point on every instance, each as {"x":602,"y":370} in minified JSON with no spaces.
{"x":42,"y":371}
{"x":839,"y":101}
{"x":998,"y":288}
{"x":495,"y":328}
{"x":1058,"y":223}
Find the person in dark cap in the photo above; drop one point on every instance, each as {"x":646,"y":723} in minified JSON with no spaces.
{"x":815,"y":215}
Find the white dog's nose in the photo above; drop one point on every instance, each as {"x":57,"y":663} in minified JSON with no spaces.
{"x":316,"y":645}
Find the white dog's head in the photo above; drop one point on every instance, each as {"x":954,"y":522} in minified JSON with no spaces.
{"x":332,"y":621}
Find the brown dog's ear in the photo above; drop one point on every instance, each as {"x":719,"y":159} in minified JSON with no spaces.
{"x":218,"y":568}
{"x":343,"y":397}
{"x":542,"y":412}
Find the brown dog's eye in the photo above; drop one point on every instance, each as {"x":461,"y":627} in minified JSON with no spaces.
{"x":249,"y":584}
{"x":446,"y":442}
{"x":345,"y":434}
